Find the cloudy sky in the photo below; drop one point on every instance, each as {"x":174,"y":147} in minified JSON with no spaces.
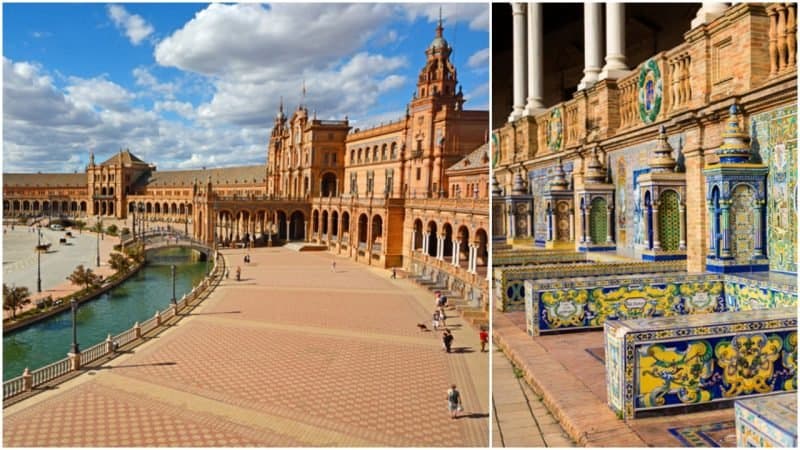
{"x":192,"y":85}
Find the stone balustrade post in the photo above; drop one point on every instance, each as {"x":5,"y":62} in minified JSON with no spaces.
{"x":158,"y":318}
{"x":74,"y":361}
{"x":137,"y":330}
{"x":27,"y":380}
{"x":109,"y":345}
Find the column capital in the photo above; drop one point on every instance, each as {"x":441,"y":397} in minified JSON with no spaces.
{"x":708,"y":12}
{"x":519,"y":8}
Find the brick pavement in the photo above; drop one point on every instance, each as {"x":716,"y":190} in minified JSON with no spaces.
{"x":293,"y":355}
{"x":520,"y":418}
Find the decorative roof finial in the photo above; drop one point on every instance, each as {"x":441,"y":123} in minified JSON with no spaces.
{"x":557,"y":180}
{"x":735,"y":146}
{"x":662,"y":160}
{"x":439,"y":27}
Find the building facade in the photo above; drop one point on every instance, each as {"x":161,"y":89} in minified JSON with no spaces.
{"x":359,"y":192}
{"x":626,"y":147}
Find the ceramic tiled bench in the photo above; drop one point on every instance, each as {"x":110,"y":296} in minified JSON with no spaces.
{"x":669,"y":362}
{"x":769,"y":421}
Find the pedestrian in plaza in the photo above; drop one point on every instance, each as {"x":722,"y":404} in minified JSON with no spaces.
{"x":436,"y":297}
{"x":484,"y":337}
{"x":447,"y":340}
{"x":238,"y":273}
{"x":454,"y":402}
{"x":436,"y":319}
{"x":333,"y":266}
{"x":442,"y":317}
{"x":394,"y":273}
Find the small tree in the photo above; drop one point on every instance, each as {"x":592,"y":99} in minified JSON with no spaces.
{"x":15,"y":298}
{"x":135,"y":252}
{"x":97,"y":227}
{"x":119,"y":262}
{"x":112,"y":230}
{"x":80,"y":225}
{"x":82,"y":276}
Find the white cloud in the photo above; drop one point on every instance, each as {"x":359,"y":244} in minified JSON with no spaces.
{"x":184,"y":109}
{"x":144,"y":78}
{"x":475,"y":14}
{"x":479,"y":59}
{"x":99,"y":93}
{"x":134,"y":26}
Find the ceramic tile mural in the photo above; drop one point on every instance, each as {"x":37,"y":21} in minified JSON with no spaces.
{"x":627,"y":193}
{"x":742,"y":294}
{"x":774,"y":137}
{"x":681,"y":361}
{"x":538,"y":180}
{"x":742,"y":224}
{"x":767,"y":422}
{"x":669,"y":220}
{"x":577,"y":303}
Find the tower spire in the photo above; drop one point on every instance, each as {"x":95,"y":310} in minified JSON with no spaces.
{"x":439,"y":27}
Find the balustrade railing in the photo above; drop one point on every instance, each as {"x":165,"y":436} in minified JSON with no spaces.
{"x":38,"y":377}
{"x":93,"y":353}
{"x":680,"y":84}
{"x":50,"y":372}
{"x":628,"y":102}
{"x":13,"y":387}
{"x":782,"y":37}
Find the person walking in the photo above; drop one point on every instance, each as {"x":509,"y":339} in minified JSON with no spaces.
{"x":454,"y":402}
{"x":333,"y":266}
{"x":442,"y":317}
{"x":435,"y":321}
{"x":447,"y":340}
{"x":484,"y":337}
{"x":394,"y":273}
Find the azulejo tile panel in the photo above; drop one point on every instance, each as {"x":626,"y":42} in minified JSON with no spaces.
{"x":774,"y":138}
{"x":682,"y":361}
{"x":767,"y":421}
{"x":589,"y":302}
{"x":742,"y":294}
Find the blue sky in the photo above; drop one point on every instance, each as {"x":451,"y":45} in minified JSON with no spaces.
{"x":192,"y":85}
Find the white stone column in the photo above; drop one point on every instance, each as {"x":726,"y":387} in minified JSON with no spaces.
{"x":520,"y":64}
{"x":413,"y":239}
{"x":440,"y":248}
{"x":708,"y":12}
{"x":609,"y":225}
{"x":615,"y":42}
{"x":682,"y":219}
{"x":592,"y":44}
{"x":456,"y":250}
{"x":425,"y":242}
{"x":656,"y":229}
{"x":535,"y":60}
{"x":571,"y":225}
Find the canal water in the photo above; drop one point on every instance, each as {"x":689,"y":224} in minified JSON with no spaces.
{"x":137,"y":299}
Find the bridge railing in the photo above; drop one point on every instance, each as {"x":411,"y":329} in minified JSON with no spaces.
{"x":32,"y":379}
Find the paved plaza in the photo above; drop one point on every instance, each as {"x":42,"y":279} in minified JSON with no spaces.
{"x":292,"y":355}
{"x":520,"y":417}
{"x":19,"y":259}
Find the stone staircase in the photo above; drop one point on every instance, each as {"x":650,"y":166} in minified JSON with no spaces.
{"x":473,"y":315}
{"x":305,"y":246}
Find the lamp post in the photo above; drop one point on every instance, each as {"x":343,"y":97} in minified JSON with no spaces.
{"x":75,"y":350}
{"x":99,"y":228}
{"x":186,"y":219}
{"x":39,"y":260}
{"x":173,"y":284}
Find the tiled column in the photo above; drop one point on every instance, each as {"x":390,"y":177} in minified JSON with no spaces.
{"x":726,"y":234}
{"x":592,"y":44}
{"x":682,"y":220}
{"x":656,"y":237}
{"x":609,"y":224}
{"x":758,"y":247}
{"x":535,"y":60}
{"x":520,"y":65}
{"x":615,"y":42}
{"x":572,"y":225}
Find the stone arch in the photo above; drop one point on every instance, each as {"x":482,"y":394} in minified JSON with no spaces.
{"x":383,"y":152}
{"x":463,"y":243}
{"x":335,"y":223}
{"x":482,"y":254}
{"x":432,"y":238}
{"x":297,"y":226}
{"x":328,"y":185}
{"x":26,"y":205}
{"x":280,"y":218}
{"x":315,"y":221}
{"x":377,"y":231}
{"x":324,"y":224}
{"x":346,"y":224}
{"x":447,"y":229}
{"x":157,"y":208}
{"x":418,"y":236}
{"x":363,"y":222}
